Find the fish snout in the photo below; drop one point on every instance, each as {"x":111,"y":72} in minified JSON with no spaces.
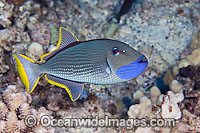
{"x":133,"y":69}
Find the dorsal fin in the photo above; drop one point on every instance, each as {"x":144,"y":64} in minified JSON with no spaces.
{"x":66,"y":37}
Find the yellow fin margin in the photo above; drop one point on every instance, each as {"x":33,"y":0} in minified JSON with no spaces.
{"x":22,"y":72}
{"x":59,"y":41}
{"x":34,"y":85}
{"x":63,"y":86}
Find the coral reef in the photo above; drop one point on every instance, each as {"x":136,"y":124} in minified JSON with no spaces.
{"x":191,"y":102}
{"x":140,"y":110}
{"x":182,"y":80}
{"x":154,"y":94}
{"x":175,"y":86}
{"x":15,"y":107}
{"x":165,"y":31}
{"x":170,"y":107}
{"x":6,"y":12}
{"x":41,"y":33}
{"x":190,"y":123}
{"x":137,"y":95}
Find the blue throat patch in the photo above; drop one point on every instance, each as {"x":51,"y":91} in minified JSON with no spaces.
{"x":132,"y":70}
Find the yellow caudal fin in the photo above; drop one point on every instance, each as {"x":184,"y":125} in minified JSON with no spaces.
{"x":28,"y":71}
{"x":66,"y":37}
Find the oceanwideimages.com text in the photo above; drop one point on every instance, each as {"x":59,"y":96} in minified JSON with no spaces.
{"x":48,"y":121}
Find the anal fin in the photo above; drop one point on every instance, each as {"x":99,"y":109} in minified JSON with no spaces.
{"x":74,"y":89}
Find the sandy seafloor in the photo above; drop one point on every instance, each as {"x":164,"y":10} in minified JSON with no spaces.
{"x":165,"y":31}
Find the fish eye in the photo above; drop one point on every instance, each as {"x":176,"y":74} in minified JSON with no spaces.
{"x":115,"y":51}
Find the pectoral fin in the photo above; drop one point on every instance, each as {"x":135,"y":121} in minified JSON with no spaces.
{"x":74,"y":89}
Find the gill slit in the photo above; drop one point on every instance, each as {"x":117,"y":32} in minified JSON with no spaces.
{"x":109,"y":65}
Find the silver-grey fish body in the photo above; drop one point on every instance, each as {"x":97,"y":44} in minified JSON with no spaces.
{"x":86,"y":62}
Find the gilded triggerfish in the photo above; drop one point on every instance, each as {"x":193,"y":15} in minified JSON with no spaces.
{"x":74,"y":62}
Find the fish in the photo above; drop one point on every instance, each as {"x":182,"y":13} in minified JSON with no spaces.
{"x":74,"y":63}
{"x":124,"y":9}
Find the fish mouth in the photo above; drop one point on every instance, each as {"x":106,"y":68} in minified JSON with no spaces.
{"x":142,"y":60}
{"x":133,"y":69}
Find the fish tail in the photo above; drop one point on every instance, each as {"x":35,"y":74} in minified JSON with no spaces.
{"x":29,"y":71}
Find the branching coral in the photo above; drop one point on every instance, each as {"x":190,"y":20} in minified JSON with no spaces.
{"x":14,"y":107}
{"x":11,"y":123}
{"x":3,"y":110}
{"x":137,"y":95}
{"x":24,"y":110}
{"x":176,"y":87}
{"x":2,"y":126}
{"x":154,"y":94}
{"x":140,"y":110}
{"x":13,"y":99}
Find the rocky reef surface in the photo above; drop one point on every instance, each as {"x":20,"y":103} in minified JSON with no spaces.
{"x":167,"y":32}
